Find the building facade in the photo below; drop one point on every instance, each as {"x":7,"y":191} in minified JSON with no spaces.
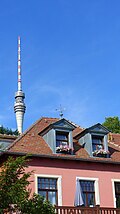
{"x":72,"y":166}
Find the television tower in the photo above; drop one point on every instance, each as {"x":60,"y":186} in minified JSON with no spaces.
{"x":19,"y":106}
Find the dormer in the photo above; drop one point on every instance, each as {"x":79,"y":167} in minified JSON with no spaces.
{"x":59,"y":136}
{"x":95,"y":140}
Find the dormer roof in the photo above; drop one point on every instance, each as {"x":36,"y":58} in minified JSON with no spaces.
{"x":97,"y":128}
{"x":58,"y":124}
{"x":63,"y":123}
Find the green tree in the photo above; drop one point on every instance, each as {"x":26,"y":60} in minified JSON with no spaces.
{"x":113,"y":124}
{"x":8,"y":131}
{"x":13,"y":183}
{"x":14,"y":191}
{"x":37,"y":204}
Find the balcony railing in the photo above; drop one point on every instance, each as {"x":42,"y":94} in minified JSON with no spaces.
{"x":79,"y":210}
{"x":86,"y":210}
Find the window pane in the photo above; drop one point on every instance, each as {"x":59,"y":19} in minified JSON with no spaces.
{"x":117,"y":194}
{"x":42,"y":193}
{"x":61,"y":137}
{"x":88,"y":192}
{"x":117,"y":187}
{"x":84,"y":199}
{"x":91,"y":186}
{"x":52,"y":197}
{"x":118,"y":201}
{"x":97,"y":143}
{"x":53,"y":183}
{"x":94,"y":147}
{"x":47,"y":187}
{"x":90,"y":199}
{"x":61,"y":140}
{"x":97,"y":140}
{"x":64,"y":143}
{"x":87,"y":186}
{"x":47,"y":183}
{"x":58,"y":143}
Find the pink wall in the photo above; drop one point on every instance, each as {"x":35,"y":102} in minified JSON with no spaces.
{"x":69,"y":170}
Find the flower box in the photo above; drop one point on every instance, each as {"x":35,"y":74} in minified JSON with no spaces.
{"x":101,"y":153}
{"x":64,"y":149}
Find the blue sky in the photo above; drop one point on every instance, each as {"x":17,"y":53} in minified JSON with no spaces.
{"x":70,"y":52}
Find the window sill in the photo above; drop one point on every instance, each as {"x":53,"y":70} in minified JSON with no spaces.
{"x":64,"y":152}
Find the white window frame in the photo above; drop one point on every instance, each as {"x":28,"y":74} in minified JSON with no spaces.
{"x":113,"y":188}
{"x":59,"y":185}
{"x":96,"y":182}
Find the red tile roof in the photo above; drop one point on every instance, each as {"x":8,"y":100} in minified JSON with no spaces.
{"x":77,"y":131}
{"x":31,"y":142}
{"x":114,"y":140}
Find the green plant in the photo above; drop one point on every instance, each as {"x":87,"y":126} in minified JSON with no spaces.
{"x":8,"y":131}
{"x":113,"y":124}
{"x":37,"y":204}
{"x":14,"y":191}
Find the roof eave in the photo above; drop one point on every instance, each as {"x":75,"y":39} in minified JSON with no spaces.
{"x":92,"y":160}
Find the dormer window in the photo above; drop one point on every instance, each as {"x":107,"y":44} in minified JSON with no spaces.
{"x":61,"y":138}
{"x":97,"y":142}
{"x":98,"y":146}
{"x":94,"y":139}
{"x":62,"y":142}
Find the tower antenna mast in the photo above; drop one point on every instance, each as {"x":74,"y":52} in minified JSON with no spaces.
{"x":19,"y":105}
{"x":19,"y":67}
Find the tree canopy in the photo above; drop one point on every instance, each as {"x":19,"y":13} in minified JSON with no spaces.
{"x":8,"y":131}
{"x":14,"y":192}
{"x":113,"y":124}
{"x":37,"y":204}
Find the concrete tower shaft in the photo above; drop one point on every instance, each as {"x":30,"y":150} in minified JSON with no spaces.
{"x":19,"y":106}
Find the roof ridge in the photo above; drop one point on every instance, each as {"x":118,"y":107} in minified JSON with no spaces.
{"x":74,"y":124}
{"x":51,"y":118}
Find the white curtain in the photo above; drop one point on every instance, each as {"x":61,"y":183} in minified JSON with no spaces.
{"x":78,"y":194}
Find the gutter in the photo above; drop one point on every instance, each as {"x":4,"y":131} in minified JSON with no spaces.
{"x":64,"y":158}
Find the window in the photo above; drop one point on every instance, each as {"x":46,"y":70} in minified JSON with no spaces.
{"x":62,"y":143}
{"x":88,"y":192}
{"x":117,"y":194}
{"x":61,"y":138}
{"x":47,"y":187}
{"x":97,"y":142}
